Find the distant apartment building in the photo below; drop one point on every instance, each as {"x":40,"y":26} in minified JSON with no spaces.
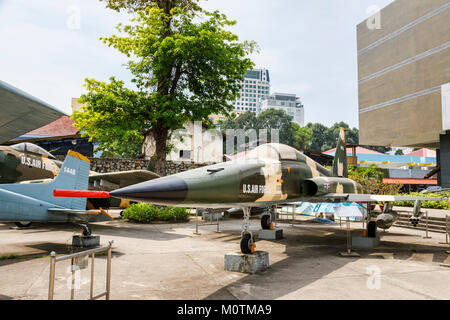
{"x":287,"y":102}
{"x":256,"y":86}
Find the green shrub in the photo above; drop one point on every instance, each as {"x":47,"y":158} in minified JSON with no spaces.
{"x":146,"y":213}
{"x":438,"y":204}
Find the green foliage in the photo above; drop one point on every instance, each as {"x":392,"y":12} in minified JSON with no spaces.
{"x":301,"y":136}
{"x":146,"y":213}
{"x":399,"y":152}
{"x":136,"y":5}
{"x":325,"y":138}
{"x":185,"y":66}
{"x":371,"y":180}
{"x":438,"y":204}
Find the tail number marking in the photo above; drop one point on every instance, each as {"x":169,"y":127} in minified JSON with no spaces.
{"x":70,"y":171}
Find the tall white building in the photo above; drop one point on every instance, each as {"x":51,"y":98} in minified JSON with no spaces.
{"x":256,"y":86}
{"x":287,"y":102}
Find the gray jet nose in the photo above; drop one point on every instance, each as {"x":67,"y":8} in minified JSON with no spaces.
{"x":163,"y":190}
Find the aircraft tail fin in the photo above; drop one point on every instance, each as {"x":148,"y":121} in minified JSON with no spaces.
{"x":73,"y":175}
{"x":340,"y":158}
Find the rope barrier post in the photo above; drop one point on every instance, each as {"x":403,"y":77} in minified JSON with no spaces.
{"x":426,"y":227}
{"x":51,"y":282}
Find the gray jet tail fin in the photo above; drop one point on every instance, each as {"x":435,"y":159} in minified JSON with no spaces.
{"x":340,"y":157}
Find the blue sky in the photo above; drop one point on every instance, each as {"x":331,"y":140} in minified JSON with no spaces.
{"x":48,"y":47}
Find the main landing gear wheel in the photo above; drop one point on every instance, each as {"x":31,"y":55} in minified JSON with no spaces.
{"x":85,"y":231}
{"x":247,"y":244}
{"x":266,"y":222}
{"x":23,"y":224}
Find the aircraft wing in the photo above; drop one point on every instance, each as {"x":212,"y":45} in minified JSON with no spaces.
{"x":22,"y":113}
{"x":115,"y":180}
{"x":82,"y":215}
{"x":331,"y":198}
{"x":373,"y":197}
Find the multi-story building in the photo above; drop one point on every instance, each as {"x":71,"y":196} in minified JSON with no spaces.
{"x":256,"y":86}
{"x":287,"y":102}
{"x":404,"y":78}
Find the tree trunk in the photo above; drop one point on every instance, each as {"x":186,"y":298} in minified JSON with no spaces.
{"x":160,"y":135}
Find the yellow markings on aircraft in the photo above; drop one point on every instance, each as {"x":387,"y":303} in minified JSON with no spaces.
{"x":386,"y":162}
{"x":106,"y":213}
{"x":93,"y":211}
{"x":77,"y":155}
{"x":426,"y":164}
{"x":364,"y":161}
{"x":411,"y":164}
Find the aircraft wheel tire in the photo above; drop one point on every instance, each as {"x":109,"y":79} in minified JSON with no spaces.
{"x":23,"y":224}
{"x":266,"y":222}
{"x":85,"y":231}
{"x":246,"y":244}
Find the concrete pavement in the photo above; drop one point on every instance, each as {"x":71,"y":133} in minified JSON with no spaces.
{"x":166,"y":261}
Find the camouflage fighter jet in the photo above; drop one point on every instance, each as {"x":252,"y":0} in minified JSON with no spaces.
{"x":269,"y":175}
{"x":35,"y":201}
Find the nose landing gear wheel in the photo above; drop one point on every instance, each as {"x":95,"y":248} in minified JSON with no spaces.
{"x":23,"y":224}
{"x":266,"y":222}
{"x":247,"y":244}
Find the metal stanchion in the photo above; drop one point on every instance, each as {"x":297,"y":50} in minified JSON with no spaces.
{"x":446,"y":229}
{"x":349,"y":252}
{"x":196,"y":226}
{"x":426,"y":227}
{"x":108,"y":272}
{"x":51,"y":282}
{"x":72,"y":289}
{"x":217,"y":216}
{"x":293,"y":214}
{"x":91,"y":291}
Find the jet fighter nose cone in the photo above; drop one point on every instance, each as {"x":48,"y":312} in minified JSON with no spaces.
{"x":162,"y":190}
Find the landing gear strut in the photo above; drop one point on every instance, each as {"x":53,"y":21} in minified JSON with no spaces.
{"x":247,"y":243}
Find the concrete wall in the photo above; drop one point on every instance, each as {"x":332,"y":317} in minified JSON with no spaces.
{"x":401,"y":69}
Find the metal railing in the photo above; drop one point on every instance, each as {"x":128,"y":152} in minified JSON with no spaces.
{"x":207,"y":223}
{"x":72,"y":257}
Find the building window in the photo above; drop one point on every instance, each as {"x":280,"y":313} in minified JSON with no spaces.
{"x":185,"y":154}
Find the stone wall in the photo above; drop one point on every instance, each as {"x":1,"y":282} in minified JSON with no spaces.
{"x":103,"y":165}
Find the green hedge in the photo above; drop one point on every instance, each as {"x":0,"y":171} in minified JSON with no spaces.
{"x":145,"y":213}
{"x":438,"y":204}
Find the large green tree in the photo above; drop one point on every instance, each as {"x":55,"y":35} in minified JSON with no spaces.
{"x":185,"y":65}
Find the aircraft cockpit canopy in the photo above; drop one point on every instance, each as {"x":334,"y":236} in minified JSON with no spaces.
{"x":32,"y":148}
{"x":276,"y":151}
